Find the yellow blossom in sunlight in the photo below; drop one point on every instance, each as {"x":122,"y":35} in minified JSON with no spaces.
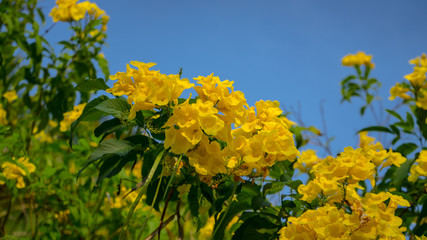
{"x":399,"y":91}
{"x":393,"y":158}
{"x":70,"y":10}
{"x":71,"y":116}
{"x":358,"y":59}
{"x":263,"y":139}
{"x":370,"y":218}
{"x":419,"y":168}
{"x":188,"y":124}
{"x":14,"y":171}
{"x":147,"y":89}
{"x":306,"y":160}
{"x":221,"y":93}
{"x":67,"y":10}
{"x":10,"y":96}
{"x":418,"y":77}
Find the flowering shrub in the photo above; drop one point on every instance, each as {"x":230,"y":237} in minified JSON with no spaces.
{"x":143,"y":159}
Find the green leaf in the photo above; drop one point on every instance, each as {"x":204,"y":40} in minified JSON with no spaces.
{"x":273,"y":187}
{"x":118,"y":147}
{"x":347,"y":79}
{"x":193,"y":200}
{"x":149,"y":160}
{"x":117,"y":107}
{"x":406,"y":148}
{"x":255,"y":228}
{"x":410,"y":121}
{"x":112,"y":165}
{"x":376,"y":129}
{"x":362,"y":110}
{"x":110,"y":146}
{"x":401,"y":173}
{"x":395,"y":114}
{"x":259,"y":202}
{"x":91,"y":85}
{"x":89,"y":113}
{"x":244,"y":202}
{"x":106,"y":126}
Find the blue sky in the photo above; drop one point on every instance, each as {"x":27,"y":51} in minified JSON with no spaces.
{"x":288,"y":51}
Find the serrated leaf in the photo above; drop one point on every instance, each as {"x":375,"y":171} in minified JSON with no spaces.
{"x":117,"y":107}
{"x":91,"y":85}
{"x":107,"y":126}
{"x":273,"y":187}
{"x":113,"y":165}
{"x":118,"y":147}
{"x":109,"y":146}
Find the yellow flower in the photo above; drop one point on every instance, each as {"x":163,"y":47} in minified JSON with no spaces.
{"x":394,"y":158}
{"x":399,"y":91}
{"x":70,"y":10}
{"x":10,"y":96}
{"x":189,"y":122}
{"x":13,"y":171}
{"x":306,"y":160}
{"x":358,"y":59}
{"x":62,"y":216}
{"x":71,"y":116}
{"x":221,"y":93}
{"x":147,"y":89}
{"x":419,"y":168}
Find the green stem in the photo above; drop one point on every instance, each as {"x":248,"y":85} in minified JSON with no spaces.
{"x":173,"y":176}
{"x":141,"y":192}
{"x":151,"y":208}
{"x":226,"y":211}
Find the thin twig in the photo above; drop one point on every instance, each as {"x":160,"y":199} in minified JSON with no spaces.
{"x":164,"y":210}
{"x":157,"y":231}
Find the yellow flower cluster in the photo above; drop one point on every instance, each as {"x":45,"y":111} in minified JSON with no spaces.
{"x":358,"y":59}
{"x":147,"y":89}
{"x":62,"y":216}
{"x":218,"y":132}
{"x":14,"y":171}
{"x":418,"y":84}
{"x":71,"y":116}
{"x":264,"y":138}
{"x":261,"y":139}
{"x":70,"y":10}
{"x":370,"y":218}
{"x":306,"y":160}
{"x":10,"y":96}
{"x":419,"y":168}
{"x":331,"y":175}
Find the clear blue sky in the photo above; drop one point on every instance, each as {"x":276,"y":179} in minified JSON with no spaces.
{"x":288,"y":51}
